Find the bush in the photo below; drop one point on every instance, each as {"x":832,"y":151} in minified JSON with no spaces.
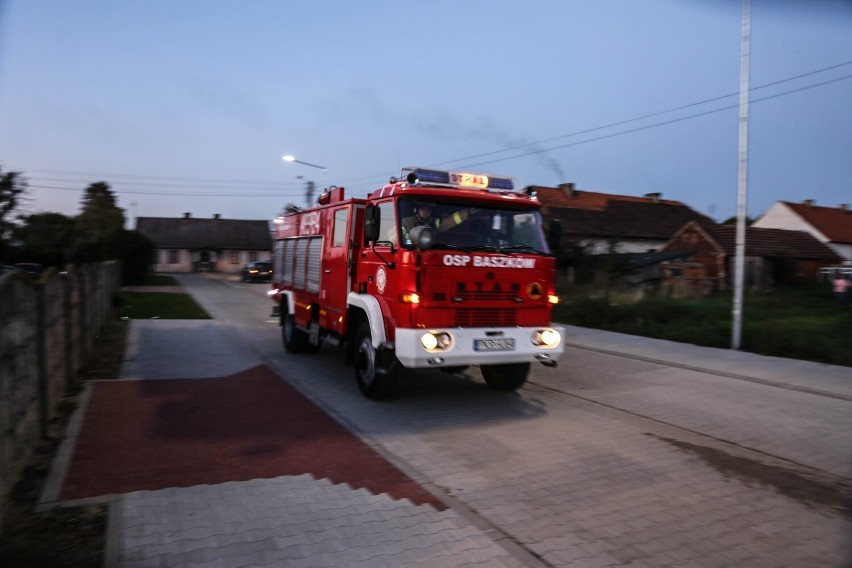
{"x":799,"y":323}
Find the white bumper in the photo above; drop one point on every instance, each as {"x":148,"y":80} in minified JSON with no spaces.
{"x":411,"y":353}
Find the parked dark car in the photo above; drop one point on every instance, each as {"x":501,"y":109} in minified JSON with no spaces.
{"x":31,"y":268}
{"x":257,"y":272}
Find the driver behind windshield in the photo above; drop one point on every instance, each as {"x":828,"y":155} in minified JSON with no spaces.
{"x":422,"y":217}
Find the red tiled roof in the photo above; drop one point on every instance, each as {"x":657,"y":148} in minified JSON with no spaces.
{"x":197,"y":233}
{"x":833,"y":222}
{"x":603,"y":215}
{"x":557,"y":197}
{"x":772,"y":242}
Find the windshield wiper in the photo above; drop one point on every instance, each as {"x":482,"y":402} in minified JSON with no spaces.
{"x":484,"y":248}
{"x":523,"y":248}
{"x":447,"y":246}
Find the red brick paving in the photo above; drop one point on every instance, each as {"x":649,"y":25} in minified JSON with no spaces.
{"x":153,"y":434}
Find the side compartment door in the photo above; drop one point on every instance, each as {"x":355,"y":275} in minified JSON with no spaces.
{"x":336,"y":278}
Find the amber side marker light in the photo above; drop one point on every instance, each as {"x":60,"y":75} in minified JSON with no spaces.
{"x":409,"y":298}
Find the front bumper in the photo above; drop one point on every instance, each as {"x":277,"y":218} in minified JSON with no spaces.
{"x":411,"y":353}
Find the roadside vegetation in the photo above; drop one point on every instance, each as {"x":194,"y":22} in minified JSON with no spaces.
{"x":801,"y":322}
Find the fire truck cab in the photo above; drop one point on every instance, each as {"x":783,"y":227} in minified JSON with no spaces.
{"x":437,"y":269}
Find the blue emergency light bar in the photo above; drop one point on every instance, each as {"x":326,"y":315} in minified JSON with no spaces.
{"x":431,"y":176}
{"x":457,"y":179}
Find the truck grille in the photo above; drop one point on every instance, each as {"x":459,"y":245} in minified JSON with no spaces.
{"x":485,"y":317}
{"x":470,"y":293}
{"x":483,"y":296}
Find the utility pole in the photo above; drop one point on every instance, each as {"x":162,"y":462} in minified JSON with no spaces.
{"x":309,"y":194}
{"x":739,"y":268}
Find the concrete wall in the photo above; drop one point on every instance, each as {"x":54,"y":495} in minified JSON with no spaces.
{"x":46,"y":329}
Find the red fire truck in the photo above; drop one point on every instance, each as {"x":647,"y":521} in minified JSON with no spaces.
{"x":437,"y":269}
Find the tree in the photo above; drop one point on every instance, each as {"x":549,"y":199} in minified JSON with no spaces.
{"x":99,"y":219}
{"x":47,"y":238}
{"x":136,"y":253}
{"x":99,"y":216}
{"x":733,"y":221}
{"x":12,"y":188}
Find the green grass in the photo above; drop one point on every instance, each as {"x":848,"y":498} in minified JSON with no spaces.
{"x":162,"y":305}
{"x":797,"y":323}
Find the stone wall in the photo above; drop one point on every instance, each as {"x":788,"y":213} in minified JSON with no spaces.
{"x":46,"y":328}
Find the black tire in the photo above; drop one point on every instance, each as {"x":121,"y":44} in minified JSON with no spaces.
{"x":375,"y":371}
{"x":507,"y":377}
{"x":295,"y":340}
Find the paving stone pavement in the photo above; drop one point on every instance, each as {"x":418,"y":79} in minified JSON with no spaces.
{"x":580,"y":485}
{"x":534,"y":478}
{"x":294,"y":521}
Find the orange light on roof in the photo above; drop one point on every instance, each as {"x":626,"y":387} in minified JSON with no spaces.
{"x":464,"y":179}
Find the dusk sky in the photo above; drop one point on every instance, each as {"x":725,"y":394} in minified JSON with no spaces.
{"x":188,"y":105}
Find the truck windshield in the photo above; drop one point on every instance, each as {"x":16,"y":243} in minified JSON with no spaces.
{"x":470,"y":226}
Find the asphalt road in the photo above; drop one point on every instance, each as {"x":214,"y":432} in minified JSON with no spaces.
{"x":608,"y":459}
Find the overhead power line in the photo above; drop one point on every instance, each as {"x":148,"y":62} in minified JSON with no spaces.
{"x":297,"y":188}
{"x":659,"y":113}
{"x":172,"y":193}
{"x":655,"y":125}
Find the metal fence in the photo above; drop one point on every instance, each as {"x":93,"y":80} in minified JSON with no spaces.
{"x":46,"y":328}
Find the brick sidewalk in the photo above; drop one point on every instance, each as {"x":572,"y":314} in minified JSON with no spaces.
{"x":156,"y":434}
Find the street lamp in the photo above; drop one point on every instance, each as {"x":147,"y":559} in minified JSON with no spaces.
{"x":309,"y":190}
{"x":290,"y":158}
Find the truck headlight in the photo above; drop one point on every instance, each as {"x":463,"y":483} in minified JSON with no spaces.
{"x":436,"y":341}
{"x":546,"y":338}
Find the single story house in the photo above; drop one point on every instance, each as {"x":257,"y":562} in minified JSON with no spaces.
{"x":770,"y":255}
{"x":190,"y":244}
{"x":830,"y":225}
{"x":601,"y":223}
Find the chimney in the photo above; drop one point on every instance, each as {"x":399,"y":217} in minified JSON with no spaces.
{"x":808,"y":202}
{"x":217,"y":215}
{"x":654,"y":197}
{"x":187,"y":215}
{"x":567,"y":189}
{"x":843,"y":207}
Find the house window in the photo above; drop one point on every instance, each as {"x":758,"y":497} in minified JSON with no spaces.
{"x":339,"y":235}
{"x":252,"y":256}
{"x":234,"y":255}
{"x":173,"y":256}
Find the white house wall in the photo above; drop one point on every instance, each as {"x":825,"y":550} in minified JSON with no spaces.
{"x":779,"y":216}
{"x":222,"y":262}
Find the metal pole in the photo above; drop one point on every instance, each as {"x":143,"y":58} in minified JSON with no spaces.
{"x":739,"y":268}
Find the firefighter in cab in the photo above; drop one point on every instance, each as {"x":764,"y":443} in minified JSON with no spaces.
{"x":422,"y":217}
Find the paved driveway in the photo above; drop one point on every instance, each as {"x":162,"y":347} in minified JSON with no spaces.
{"x":631,"y":453}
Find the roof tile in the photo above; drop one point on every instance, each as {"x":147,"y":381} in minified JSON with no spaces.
{"x":833,"y":222}
{"x":198,"y":233}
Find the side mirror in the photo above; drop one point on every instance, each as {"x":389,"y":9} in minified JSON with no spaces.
{"x":554,"y":235}
{"x":371,"y":224}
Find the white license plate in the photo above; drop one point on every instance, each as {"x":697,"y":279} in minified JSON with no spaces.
{"x":505,"y":344}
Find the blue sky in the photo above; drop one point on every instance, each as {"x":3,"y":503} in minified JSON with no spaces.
{"x":188,"y":106}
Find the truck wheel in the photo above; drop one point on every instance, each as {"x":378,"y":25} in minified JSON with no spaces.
{"x":376,"y":375}
{"x":295,"y":340}
{"x":507,"y":377}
